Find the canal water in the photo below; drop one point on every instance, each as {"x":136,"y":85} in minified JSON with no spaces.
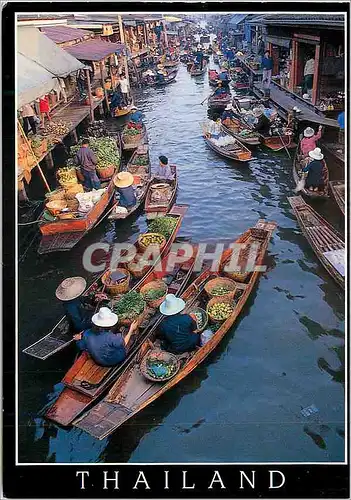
{"x":247,"y":401}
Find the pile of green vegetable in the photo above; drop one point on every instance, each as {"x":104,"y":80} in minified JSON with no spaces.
{"x":154,"y":294}
{"x":130,"y":306}
{"x":131,"y":131}
{"x":163,"y":225}
{"x":160,"y":369}
{"x":220,"y":290}
{"x":105,"y":149}
{"x":141,"y":161}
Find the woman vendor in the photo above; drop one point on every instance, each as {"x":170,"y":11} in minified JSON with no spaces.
{"x":314,"y":169}
{"x":228,"y":113}
{"x":163,"y":171}
{"x":177,"y":329}
{"x":263,"y":124}
{"x":309,"y":141}
{"x":124,"y":184}
{"x":106,"y":347}
{"x":78,"y":309}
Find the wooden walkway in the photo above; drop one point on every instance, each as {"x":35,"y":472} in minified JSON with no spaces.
{"x":255,"y":72}
{"x":73,"y":115}
{"x":285,"y":100}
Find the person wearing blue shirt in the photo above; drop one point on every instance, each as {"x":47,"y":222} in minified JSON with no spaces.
{"x":106,"y":347}
{"x":136,"y":116}
{"x":267,"y":67}
{"x":341,"y":122}
{"x":314,"y":170}
{"x":78,"y":310}
{"x":228,"y":113}
{"x":124,"y":184}
{"x":178,"y":330}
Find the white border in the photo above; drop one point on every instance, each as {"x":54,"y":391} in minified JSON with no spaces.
{"x":244,"y":464}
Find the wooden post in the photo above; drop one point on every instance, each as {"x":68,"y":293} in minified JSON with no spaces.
{"x":293,"y":69}
{"x":146,"y":37}
{"x":87,"y":72}
{"x":74,"y":136}
{"x":103,"y":86}
{"x":316,"y":77}
{"x":121,"y":34}
{"x":165,"y":32}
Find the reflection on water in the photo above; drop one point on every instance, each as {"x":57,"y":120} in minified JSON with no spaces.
{"x":285,"y":352}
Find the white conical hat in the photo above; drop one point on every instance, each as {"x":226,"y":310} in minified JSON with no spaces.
{"x":171,"y":305}
{"x":316,"y":154}
{"x":71,"y":288}
{"x":308,"y":132}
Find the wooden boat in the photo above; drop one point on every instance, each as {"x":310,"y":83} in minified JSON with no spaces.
{"x":142,"y":176}
{"x":326,"y":242}
{"x":171,"y":76}
{"x":130,"y":145}
{"x":318,"y":195}
{"x":171,"y":64}
{"x":132,"y":392}
{"x":235,"y":151}
{"x":219,"y":103}
{"x":338,"y":190}
{"x":122,"y":112}
{"x":85,"y":381}
{"x":212,"y":77}
{"x":250,"y":140}
{"x":276,"y":142}
{"x":155,"y":209}
{"x":63,"y":234}
{"x":61,"y":335}
{"x":198,"y":72}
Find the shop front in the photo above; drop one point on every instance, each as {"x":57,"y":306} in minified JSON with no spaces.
{"x":281,"y":52}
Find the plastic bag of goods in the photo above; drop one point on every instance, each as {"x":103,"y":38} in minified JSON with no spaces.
{"x":120,"y":210}
{"x":206,"y":336}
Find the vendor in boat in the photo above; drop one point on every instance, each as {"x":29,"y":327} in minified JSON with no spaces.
{"x":219,"y":90}
{"x":199,"y":57}
{"x":105,"y":346}
{"x":309,"y":141}
{"x":136,"y":115}
{"x":160,"y":77}
{"x":214,"y":129}
{"x":224,"y":78}
{"x":314,"y":170}
{"x":87,"y":161}
{"x":116,"y":102}
{"x":177,"y":329}
{"x":228,"y":114}
{"x":78,"y":309}
{"x":263,"y":124}
{"x":163,"y":171}
{"x":124,"y":184}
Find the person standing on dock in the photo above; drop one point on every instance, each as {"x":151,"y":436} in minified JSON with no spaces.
{"x":267,"y":67}
{"x":308,"y":75}
{"x":341,"y":122}
{"x":309,"y":141}
{"x":87,"y":161}
{"x":28,"y":115}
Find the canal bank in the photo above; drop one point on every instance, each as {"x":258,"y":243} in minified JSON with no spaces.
{"x":285,"y":354}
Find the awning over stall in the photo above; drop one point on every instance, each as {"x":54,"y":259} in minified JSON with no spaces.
{"x":94,"y":50}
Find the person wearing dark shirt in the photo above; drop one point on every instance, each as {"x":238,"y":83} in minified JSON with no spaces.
{"x":224,"y":78}
{"x":263,"y":124}
{"x":314,"y":170}
{"x":76,"y":310}
{"x":136,"y":116}
{"x":124,"y":184}
{"x":341,"y":122}
{"x":228,"y":113}
{"x":177,"y":330}
{"x":106,"y":347}
{"x":219,"y":90}
{"x":267,"y":67}
{"x":199,"y":57}
{"x":87,"y":161}
{"x":116,"y":102}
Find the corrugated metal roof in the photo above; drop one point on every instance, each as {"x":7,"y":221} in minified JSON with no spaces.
{"x":94,"y":50}
{"x":60,"y":34}
{"x":236,"y":19}
{"x":315,"y":20}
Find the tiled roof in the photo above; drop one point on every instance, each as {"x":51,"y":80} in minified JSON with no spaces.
{"x":60,"y":34}
{"x":335,"y":20}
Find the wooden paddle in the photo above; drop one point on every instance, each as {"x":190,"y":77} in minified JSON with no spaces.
{"x":213,"y":93}
{"x":286,"y":149}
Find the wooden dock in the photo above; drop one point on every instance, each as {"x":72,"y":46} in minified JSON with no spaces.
{"x":286,"y":101}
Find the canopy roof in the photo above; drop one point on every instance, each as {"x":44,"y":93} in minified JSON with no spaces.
{"x":61,"y":34}
{"x":33,"y":81}
{"x":235,"y":19}
{"x":94,"y":50}
{"x":34,"y":45}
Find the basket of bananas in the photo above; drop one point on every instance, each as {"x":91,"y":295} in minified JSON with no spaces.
{"x":148,"y":239}
{"x":220,"y":308}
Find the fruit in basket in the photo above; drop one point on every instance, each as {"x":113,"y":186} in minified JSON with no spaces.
{"x":220,"y":311}
{"x":220,"y":290}
{"x":151,"y":239}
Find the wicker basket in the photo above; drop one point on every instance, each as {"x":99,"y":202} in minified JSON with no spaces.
{"x":70,"y":193}
{"x":132,"y":139}
{"x":55,"y":207}
{"x":154,"y":285}
{"x":127,"y":321}
{"x":116,"y":288}
{"x":136,"y":272}
{"x":79,"y":174}
{"x":216,"y":300}
{"x":143,"y":246}
{"x":225,"y":282}
{"x":157,"y":354}
{"x":58,"y":194}
{"x":204,"y":315}
{"x":105,"y":172}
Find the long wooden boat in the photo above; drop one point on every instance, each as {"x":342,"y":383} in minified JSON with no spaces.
{"x":155,"y":209}
{"x":276,"y":142}
{"x":131,"y":145}
{"x":219,"y":103}
{"x":326,"y":242}
{"x":317,"y":195}
{"x":236,"y":151}
{"x":198,"y":72}
{"x":142,"y":176}
{"x":61,"y":335}
{"x":212,"y":77}
{"x":338,"y":190}
{"x":123,"y":112}
{"x":250,"y":140}
{"x":132,"y":392}
{"x":85,"y":381}
{"x":63,"y":234}
{"x":171,"y":64}
{"x":167,"y":80}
